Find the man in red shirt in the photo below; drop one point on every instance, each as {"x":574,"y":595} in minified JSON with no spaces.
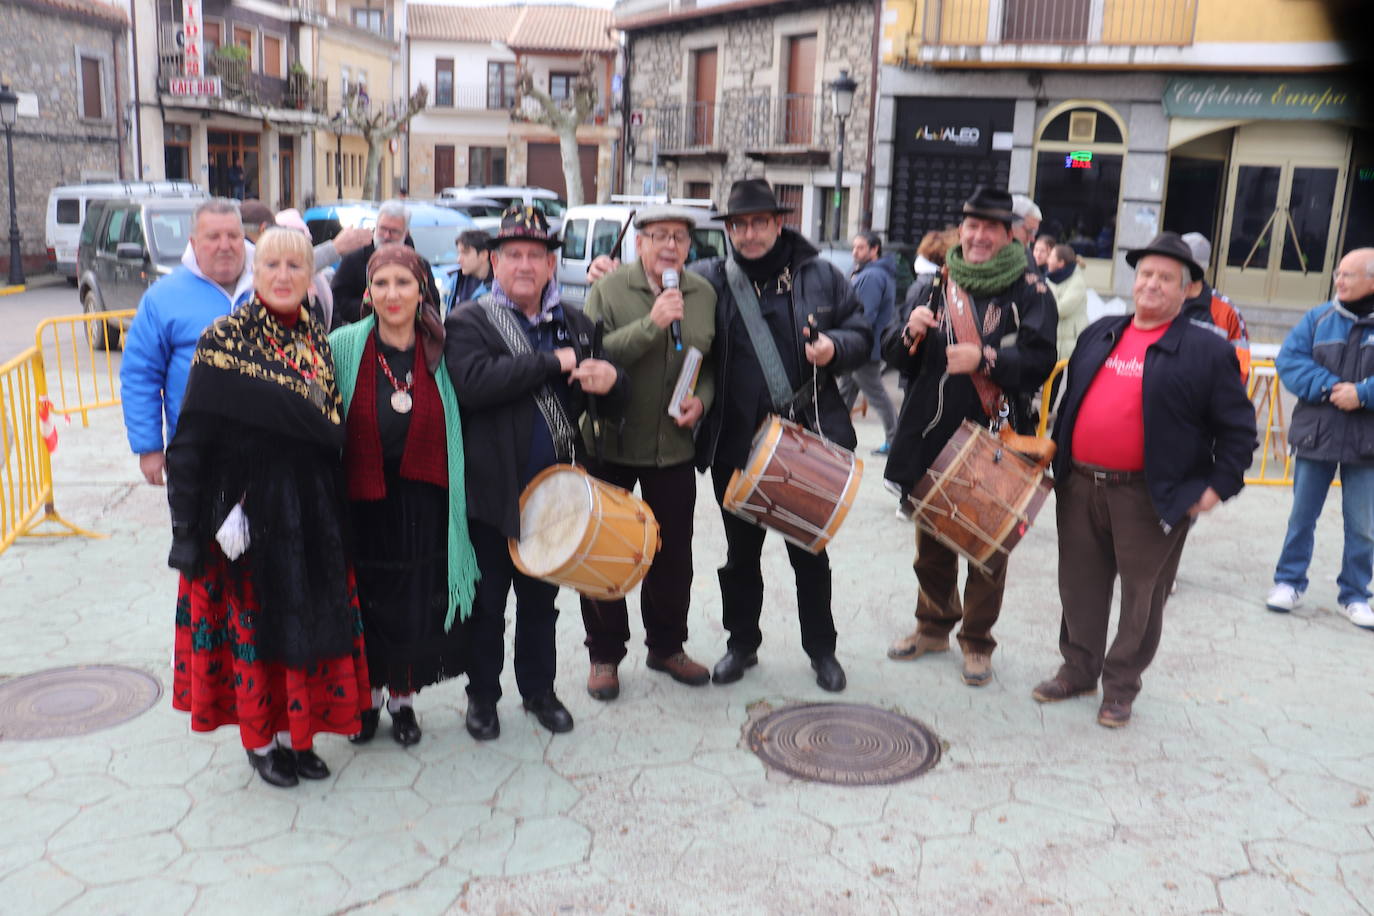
{"x":1154,"y":430}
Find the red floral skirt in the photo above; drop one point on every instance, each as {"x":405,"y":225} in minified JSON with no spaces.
{"x":219,"y":679}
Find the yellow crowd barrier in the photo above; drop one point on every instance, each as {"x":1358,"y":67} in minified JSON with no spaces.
{"x":80,"y":351}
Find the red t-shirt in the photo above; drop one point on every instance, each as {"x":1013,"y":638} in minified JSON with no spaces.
{"x":1110,"y":430}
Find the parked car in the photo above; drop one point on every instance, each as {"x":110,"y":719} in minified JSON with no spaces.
{"x":548,"y":202}
{"x":433,"y":229}
{"x":592,"y":230}
{"x":125,"y":247}
{"x":485,"y":211}
{"x":67,"y":206}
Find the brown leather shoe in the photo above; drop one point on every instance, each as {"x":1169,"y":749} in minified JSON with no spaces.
{"x":603,"y":683}
{"x":1114,"y":713}
{"x":977,"y":669}
{"x":680,"y":667}
{"x":1056,"y":689}
{"x":914,"y":645}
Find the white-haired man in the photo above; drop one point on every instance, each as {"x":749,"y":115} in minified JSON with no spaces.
{"x":350,"y":280}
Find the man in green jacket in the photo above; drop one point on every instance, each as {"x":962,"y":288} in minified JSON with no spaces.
{"x":651,"y":327}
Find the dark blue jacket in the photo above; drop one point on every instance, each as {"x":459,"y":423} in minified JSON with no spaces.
{"x":1199,"y":424}
{"x":1330,"y":345}
{"x":875,"y":284}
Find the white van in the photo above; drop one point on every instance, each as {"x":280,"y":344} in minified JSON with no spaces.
{"x":592,"y":230}
{"x":67,"y":211}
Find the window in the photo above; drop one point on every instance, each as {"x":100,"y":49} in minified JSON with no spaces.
{"x":68,"y":211}
{"x":553,"y":209}
{"x":790,"y":195}
{"x":1078,"y":178}
{"x":604,"y":236}
{"x":443,"y":82}
{"x":244,"y":39}
{"x":369,"y":19}
{"x":345,"y":81}
{"x":500,"y":85}
{"x":825,"y":217}
{"x":90,"y":228}
{"x":486,"y":165}
{"x":271,"y":56}
{"x":697,"y":190}
{"x":213,"y":37}
{"x":561,"y":86}
{"x":114,"y":230}
{"x":91,"y":97}
{"x":575,"y":239}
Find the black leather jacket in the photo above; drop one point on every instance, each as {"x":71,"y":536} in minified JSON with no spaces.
{"x":742,"y":401}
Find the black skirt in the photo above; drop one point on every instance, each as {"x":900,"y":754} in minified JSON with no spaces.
{"x":402,"y":572}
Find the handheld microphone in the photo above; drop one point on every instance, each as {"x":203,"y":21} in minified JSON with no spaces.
{"x":670,"y":281}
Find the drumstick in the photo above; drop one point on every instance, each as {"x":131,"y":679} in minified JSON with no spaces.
{"x":615,"y":247}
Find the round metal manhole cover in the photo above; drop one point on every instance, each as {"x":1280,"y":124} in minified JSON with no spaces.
{"x":65,"y":702}
{"x":844,"y":744}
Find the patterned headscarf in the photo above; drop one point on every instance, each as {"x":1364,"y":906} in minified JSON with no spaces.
{"x":429,"y":325}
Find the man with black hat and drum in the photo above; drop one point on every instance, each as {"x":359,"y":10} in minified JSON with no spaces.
{"x":809,"y":327}
{"x":979,"y":349}
{"x":654,"y":315}
{"x":522,"y":370}
{"x":1154,"y":430}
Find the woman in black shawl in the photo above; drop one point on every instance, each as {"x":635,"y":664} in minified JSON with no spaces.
{"x":268,"y":634}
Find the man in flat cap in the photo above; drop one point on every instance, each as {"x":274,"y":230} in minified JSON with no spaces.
{"x":654,"y":314}
{"x":1154,"y":429}
{"x":982,"y":344}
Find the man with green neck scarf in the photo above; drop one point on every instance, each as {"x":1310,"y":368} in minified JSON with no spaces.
{"x":988,"y":328}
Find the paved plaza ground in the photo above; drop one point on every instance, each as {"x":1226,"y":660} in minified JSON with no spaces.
{"x":1242,"y":785}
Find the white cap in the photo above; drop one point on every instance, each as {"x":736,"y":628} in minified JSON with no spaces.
{"x":1201,"y":248}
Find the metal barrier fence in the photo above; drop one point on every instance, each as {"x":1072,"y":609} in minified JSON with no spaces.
{"x":1266,"y":393}
{"x":81,"y":351}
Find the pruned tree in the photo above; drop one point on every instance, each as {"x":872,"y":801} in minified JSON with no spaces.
{"x":563,"y":115}
{"x":377,"y":124}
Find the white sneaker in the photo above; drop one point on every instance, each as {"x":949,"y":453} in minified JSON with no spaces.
{"x":1283,"y":598}
{"x":1360,"y":614}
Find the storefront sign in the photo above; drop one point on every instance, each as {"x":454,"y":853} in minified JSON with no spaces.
{"x":193,"y":39}
{"x":944,"y":126}
{"x":205,"y":86}
{"x":1267,"y":98}
{"x":1079,"y":159}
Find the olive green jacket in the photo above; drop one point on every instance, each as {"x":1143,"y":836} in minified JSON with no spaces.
{"x":647,"y":436}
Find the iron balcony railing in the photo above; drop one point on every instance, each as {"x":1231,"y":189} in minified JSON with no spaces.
{"x":239,"y":82}
{"x":1073,"y":22}
{"x":762,"y":121}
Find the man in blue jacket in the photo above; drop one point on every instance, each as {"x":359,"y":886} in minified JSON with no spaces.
{"x":1328,"y":362}
{"x":1155,"y":429}
{"x":214,"y":278}
{"x":875,"y":284}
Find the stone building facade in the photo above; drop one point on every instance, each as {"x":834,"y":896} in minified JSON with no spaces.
{"x":67,"y":61}
{"x":714,"y":96}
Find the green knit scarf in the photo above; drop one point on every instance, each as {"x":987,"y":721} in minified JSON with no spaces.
{"x":347,"y":344}
{"x":990,"y":276}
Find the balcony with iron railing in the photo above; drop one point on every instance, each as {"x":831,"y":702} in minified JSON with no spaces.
{"x":763,"y":125}
{"x":239,"y":83}
{"x":1005,"y":28}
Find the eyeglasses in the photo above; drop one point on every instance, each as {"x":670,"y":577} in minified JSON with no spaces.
{"x":742,"y":224}
{"x":660,"y":237}
{"x":1350,"y":275}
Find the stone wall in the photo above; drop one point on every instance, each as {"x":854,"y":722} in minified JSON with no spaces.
{"x":749,"y":67}
{"x":39,"y":52}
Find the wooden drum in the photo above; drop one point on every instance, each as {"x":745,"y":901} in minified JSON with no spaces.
{"x":584,"y":533}
{"x":796,"y":483}
{"x":980,"y":496}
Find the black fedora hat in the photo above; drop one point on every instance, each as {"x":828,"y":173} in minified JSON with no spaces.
{"x":1170,"y":245}
{"x":751,"y":195}
{"x":521,"y":223}
{"x":991,"y":203}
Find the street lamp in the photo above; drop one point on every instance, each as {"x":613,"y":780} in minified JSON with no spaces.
{"x":9,"y":111}
{"x":338,"y":122}
{"x":842,"y":97}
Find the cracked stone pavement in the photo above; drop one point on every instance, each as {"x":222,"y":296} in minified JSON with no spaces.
{"x":1242,"y":786}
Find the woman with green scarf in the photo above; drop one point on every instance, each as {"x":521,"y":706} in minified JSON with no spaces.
{"x":986,"y":337}
{"x":403,"y":458}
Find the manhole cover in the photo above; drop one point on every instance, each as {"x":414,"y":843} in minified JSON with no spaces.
{"x":73,"y":701}
{"x":844,"y":744}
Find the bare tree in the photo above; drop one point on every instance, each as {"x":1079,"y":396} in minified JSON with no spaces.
{"x":563,"y":115}
{"x":378,"y":124}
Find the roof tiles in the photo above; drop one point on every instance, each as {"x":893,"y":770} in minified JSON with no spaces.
{"x":529,"y":27}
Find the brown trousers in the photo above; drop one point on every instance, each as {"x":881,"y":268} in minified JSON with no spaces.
{"x":938,"y":607}
{"x":1109,"y":531}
